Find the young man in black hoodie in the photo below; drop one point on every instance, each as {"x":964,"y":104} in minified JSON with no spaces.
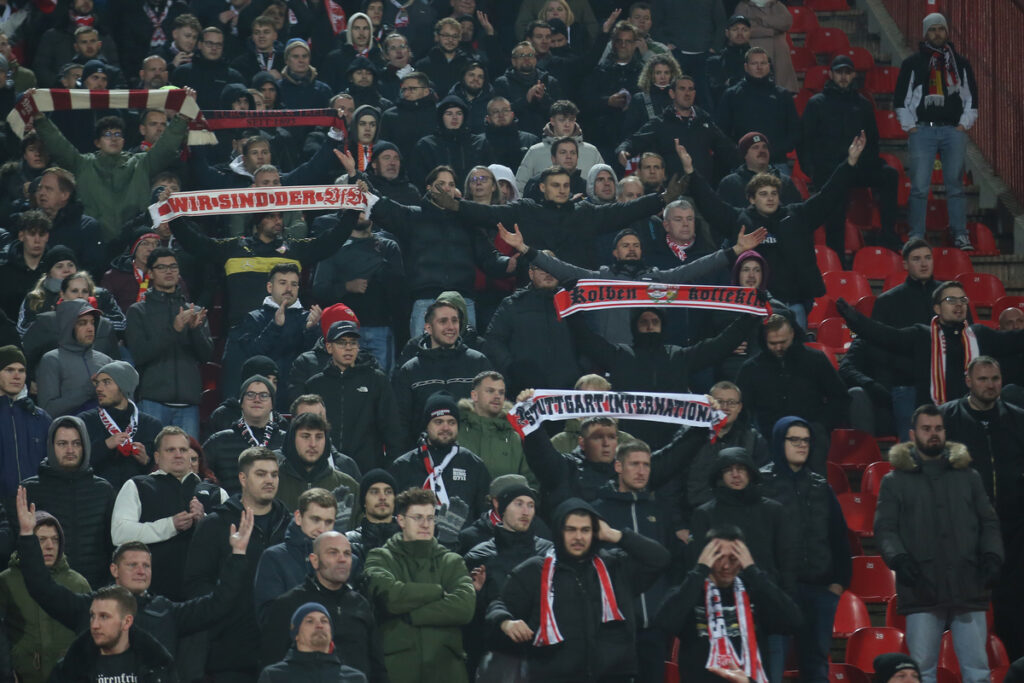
{"x":377,"y":507}
{"x":451,"y":144}
{"x":590,"y":580}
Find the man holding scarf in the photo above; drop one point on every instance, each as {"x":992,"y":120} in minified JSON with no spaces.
{"x":713,"y":611}
{"x":579,"y":597}
{"x":936,"y":101}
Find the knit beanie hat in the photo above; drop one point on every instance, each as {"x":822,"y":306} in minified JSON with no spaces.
{"x":886,"y":666}
{"x":299,"y":614}
{"x":440,"y":404}
{"x":625,"y":232}
{"x":124,"y":375}
{"x":256,"y":378}
{"x":333,"y":314}
{"x":748,"y":141}
{"x":145,"y":234}
{"x":11,"y":354}
{"x":384,"y":146}
{"x":377,"y":476}
{"x":510,"y":493}
{"x":55,"y":255}
{"x":933,"y":19}
{"x":294,"y":43}
{"x":260,"y":365}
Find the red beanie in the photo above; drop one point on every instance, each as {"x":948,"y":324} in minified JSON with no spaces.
{"x":333,"y":314}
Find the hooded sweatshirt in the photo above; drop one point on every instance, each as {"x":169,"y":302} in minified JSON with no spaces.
{"x":459,"y":148}
{"x":65,"y":374}
{"x":81,"y":502}
{"x":592,"y":179}
{"x":297,"y":476}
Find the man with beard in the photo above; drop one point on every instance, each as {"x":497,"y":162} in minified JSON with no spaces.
{"x":725,"y":69}
{"x":565,"y":154}
{"x":305,"y":459}
{"x":121,"y":435}
{"x":377,"y":506}
{"x":486,"y":432}
{"x":458,"y":478}
{"x":530,"y":91}
{"x":944,"y":563}
{"x":756,"y":151}
{"x":312,"y":656}
{"x":501,"y":128}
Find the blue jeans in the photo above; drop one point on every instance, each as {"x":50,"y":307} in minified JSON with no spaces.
{"x":904,"y":403}
{"x":814,"y":638}
{"x":379,"y":342}
{"x":799,"y":310}
{"x":951,"y":145}
{"x":186,"y":417}
{"x":924,"y":636}
{"x":419,"y":310}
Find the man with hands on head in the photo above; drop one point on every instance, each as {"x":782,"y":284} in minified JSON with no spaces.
{"x":131,"y":567}
{"x":788,"y":247}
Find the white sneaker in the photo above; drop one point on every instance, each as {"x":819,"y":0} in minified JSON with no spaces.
{"x":963,"y":243}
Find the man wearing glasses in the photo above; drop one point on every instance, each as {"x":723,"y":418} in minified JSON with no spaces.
{"x":413,"y":116}
{"x":423,"y":595}
{"x":169,"y":339}
{"x":531,"y":91}
{"x":940,"y":351}
{"x":208,"y":72}
{"x":445,"y":62}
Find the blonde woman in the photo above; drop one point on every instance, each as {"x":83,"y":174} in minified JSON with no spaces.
{"x":654,"y":92}
{"x":559,"y":9}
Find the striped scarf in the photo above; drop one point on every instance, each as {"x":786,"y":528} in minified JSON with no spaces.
{"x":721,"y":651}
{"x":547,"y":631}
{"x":938,"y":358}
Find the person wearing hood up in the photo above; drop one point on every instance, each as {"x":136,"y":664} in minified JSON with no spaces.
{"x":38,"y":641}
{"x":285,"y":565}
{"x":305,"y":458}
{"x":121,"y":435}
{"x":374,"y":515}
{"x":280,"y":329}
{"x":65,"y":374}
{"x":508,"y":143}
{"x":64,"y":281}
{"x":452,"y":144}
{"x":423,"y":595}
{"x":457,"y":476}
{"x":67,"y":487}
{"x":361,"y":83}
{"x":365,"y":134}
{"x":745,"y":602}
{"x":573,"y":611}
{"x":230,"y":410}
{"x":823,"y":566}
{"x":756,"y":150}
{"x":161,"y":509}
{"x":360,"y":403}
{"x":601,"y":185}
{"x":357,"y":43}
{"x":787,"y":378}
{"x":256,"y":428}
{"x":25,"y":438}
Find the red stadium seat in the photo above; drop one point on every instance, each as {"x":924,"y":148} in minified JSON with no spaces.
{"x":872,"y":479}
{"x":867,"y":643}
{"x":855,"y":545}
{"x":889,"y":126}
{"x":983,"y":288}
{"x":824,"y":307}
{"x":936,"y":217}
{"x":816,"y":78}
{"x":804,"y":19}
{"x":893,"y":618}
{"x":876,"y":263}
{"x":903,"y":191}
{"x":871,"y":579}
{"x":853,"y":240}
{"x":801,"y":99}
{"x":950,"y":262}
{"x":893,"y":161}
{"x":894,"y":279}
{"x":834,"y":333}
{"x":846,"y":673}
{"x":882,"y":79}
{"x":847,"y":284}
{"x":944,"y":675}
{"x":851,"y":614}
{"x":947,"y":655}
{"x":866,"y":305}
{"x":817,"y":346}
{"x":983,"y":240}
{"x":861,"y":58}
{"x":209,"y":373}
{"x":828,"y":5}
{"x":1002,"y":303}
{"x":859,"y":512}
{"x":802,"y":58}
{"x":837,"y":478}
{"x":997,"y":657}
{"x":852,"y":449}
{"x":827,"y":259}
{"x":672,"y":665}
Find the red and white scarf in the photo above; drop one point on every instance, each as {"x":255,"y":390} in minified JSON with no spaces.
{"x":721,"y":651}
{"x":335,"y":15}
{"x":678,"y":249}
{"x":80,"y":20}
{"x":435,"y":480}
{"x":494,"y":518}
{"x":258,"y":200}
{"x":943,"y":77}
{"x":60,"y":99}
{"x":547,"y":631}
{"x":199,"y":132}
{"x":125,"y":448}
{"x":938,"y":358}
{"x":589,"y":295}
{"x":158,"y":38}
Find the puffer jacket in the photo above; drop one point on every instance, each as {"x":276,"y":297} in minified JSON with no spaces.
{"x":23,"y":442}
{"x":407,"y":122}
{"x":223,"y":448}
{"x":954,"y":550}
{"x":493,"y":440}
{"x":459,"y":148}
{"x":65,"y":374}
{"x":311,"y":667}
{"x":282,"y":566}
{"x":81,"y":501}
{"x":423,"y":594}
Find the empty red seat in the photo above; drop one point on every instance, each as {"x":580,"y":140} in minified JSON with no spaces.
{"x":848,"y":284}
{"x":803,"y":58}
{"x":834,"y":333}
{"x":871,"y":579}
{"x":950,"y":262}
{"x":846,"y":673}
{"x":804,"y":19}
{"x":893,"y":618}
{"x":867,"y":643}
{"x":827,"y":258}
{"x":893,"y":279}
{"x":865,"y":305}
{"x":859,"y":512}
{"x":1004,"y":302}
{"x":828,"y":5}
{"x":852,"y":449}
{"x":876,"y":263}
{"x":936,"y":217}
{"x":861,"y":58}
{"x":801,"y":99}
{"x":944,"y":675}
{"x":889,"y":126}
{"x":983,"y":240}
{"x":873,"y":474}
{"x":836,"y":478}
{"x":982,"y":288}
{"x":824,"y":307}
{"x":851,"y":614}
{"x":816,"y":78}
{"x":882,"y":79}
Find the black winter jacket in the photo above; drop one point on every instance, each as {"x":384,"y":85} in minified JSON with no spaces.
{"x":364,"y":538}
{"x":207,"y":78}
{"x":531,"y":116}
{"x":108,"y":462}
{"x":460,"y":148}
{"x":153,"y":663}
{"x":831,"y":119}
{"x":712,"y":151}
{"x":406,"y":122}
{"x":758,"y":104}
{"x":311,"y":667}
{"x":733,"y":187}
{"x":223,"y":448}
{"x":608,"y":78}
{"x":465,"y":477}
{"x":910,"y":100}
{"x":907,"y":304}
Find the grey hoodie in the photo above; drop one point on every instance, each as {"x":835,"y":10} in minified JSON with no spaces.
{"x":65,"y":374}
{"x":76,"y":423}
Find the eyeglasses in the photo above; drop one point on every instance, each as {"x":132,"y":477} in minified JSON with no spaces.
{"x":261,"y":395}
{"x":114,"y":134}
{"x":799,"y":440}
{"x":421,"y":519}
{"x":479,"y":179}
{"x":956,"y":299}
{"x":161,"y":267}
{"x":411,"y":88}
{"x":728,"y":402}
{"x":346,"y":343}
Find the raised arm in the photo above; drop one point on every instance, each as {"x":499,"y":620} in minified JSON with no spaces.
{"x":900,"y":340}
{"x":556,"y":268}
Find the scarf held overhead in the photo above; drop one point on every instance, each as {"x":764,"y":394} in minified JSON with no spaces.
{"x":589,"y":295}
{"x":258,"y":200}
{"x":556,"y":404}
{"x":938,"y":358}
{"x":211,"y":120}
{"x":58,"y":99}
